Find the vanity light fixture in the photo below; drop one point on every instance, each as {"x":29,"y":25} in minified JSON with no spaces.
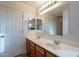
{"x":48,"y":5}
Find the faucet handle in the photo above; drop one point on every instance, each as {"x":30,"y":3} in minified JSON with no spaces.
{"x":57,"y":42}
{"x":38,"y":37}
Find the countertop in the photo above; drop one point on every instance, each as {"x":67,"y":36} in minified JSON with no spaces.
{"x":61,"y":50}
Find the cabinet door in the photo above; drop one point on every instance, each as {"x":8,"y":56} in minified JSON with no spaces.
{"x":27,"y":47}
{"x":39,"y":54}
{"x":32,"y":44}
{"x":32,"y":49}
{"x":39,"y":51}
{"x":39,"y":24}
{"x":48,"y":54}
{"x":11,"y":40}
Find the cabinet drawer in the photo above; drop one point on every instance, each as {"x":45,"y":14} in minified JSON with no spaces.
{"x":48,"y":54}
{"x":41,"y":50}
{"x":32,"y":44}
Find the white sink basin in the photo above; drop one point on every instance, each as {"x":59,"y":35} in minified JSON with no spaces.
{"x":52,"y":46}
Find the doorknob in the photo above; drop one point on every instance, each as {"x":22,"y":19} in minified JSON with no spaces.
{"x":2,"y":36}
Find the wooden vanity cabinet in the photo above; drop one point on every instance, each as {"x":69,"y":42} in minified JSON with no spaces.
{"x":49,"y":54}
{"x":27,"y":47}
{"x":34,"y":50}
{"x":40,"y":52}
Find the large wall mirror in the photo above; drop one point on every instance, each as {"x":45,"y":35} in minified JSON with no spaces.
{"x":56,"y":22}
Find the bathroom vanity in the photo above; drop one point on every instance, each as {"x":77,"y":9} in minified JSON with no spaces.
{"x":49,"y":48}
{"x":34,"y":50}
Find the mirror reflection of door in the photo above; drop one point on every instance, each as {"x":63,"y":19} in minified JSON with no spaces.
{"x":39,"y":24}
{"x":59,"y":25}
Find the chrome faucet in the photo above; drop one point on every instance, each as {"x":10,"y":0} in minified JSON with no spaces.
{"x":38,"y":37}
{"x":57,"y":42}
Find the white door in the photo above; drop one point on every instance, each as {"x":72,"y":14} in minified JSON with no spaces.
{"x":10,"y":32}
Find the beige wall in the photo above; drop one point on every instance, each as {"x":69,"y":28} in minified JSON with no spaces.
{"x":74,"y":23}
